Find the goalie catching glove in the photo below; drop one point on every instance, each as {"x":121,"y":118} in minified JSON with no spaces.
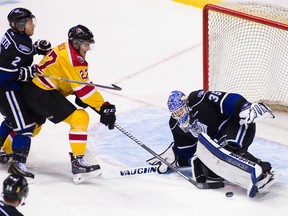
{"x":42,"y":47}
{"x":107,"y":114}
{"x":254,"y":112}
{"x":167,"y":155}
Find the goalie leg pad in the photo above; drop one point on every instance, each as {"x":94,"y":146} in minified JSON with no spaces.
{"x":197,"y":170}
{"x":201,"y":173}
{"x":228,"y":165}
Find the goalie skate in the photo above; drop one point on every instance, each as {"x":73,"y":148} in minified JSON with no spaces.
{"x":268,"y":181}
{"x":82,"y":171}
{"x":265,"y":183}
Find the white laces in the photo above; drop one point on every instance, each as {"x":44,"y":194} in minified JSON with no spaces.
{"x":83,"y":162}
{"x":23,"y":167}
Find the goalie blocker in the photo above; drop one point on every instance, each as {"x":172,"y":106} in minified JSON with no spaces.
{"x":232,"y":167}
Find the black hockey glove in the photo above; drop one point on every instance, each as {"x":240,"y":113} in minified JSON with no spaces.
{"x":107,"y":115}
{"x":80,"y":103}
{"x":42,"y":47}
{"x":26,"y":73}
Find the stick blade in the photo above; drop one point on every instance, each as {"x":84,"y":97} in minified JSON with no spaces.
{"x":116,"y":87}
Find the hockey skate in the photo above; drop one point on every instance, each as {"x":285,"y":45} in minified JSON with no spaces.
{"x":4,"y":157}
{"x":19,"y":168}
{"x":264,"y":183}
{"x":269,"y":179}
{"x":82,"y":170}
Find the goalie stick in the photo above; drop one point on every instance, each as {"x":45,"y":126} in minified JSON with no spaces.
{"x":121,"y":172}
{"x":108,"y":173}
{"x":112,"y":87}
{"x":210,"y":185}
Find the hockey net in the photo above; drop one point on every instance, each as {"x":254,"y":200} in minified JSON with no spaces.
{"x":245,"y":50}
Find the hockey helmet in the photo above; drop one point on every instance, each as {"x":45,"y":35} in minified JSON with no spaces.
{"x":15,"y":187}
{"x":178,"y":107}
{"x":81,"y":33}
{"x":17,"y":18}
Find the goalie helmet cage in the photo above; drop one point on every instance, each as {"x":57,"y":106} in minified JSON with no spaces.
{"x":245,"y":50}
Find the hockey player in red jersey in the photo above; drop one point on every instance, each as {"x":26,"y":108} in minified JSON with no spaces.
{"x":47,"y":96}
{"x":226,"y":119}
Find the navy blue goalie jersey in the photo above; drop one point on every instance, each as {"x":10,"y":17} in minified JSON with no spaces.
{"x":209,"y":112}
{"x":212,"y":109}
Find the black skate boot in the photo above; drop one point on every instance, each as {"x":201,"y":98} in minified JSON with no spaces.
{"x":19,"y":168}
{"x":82,"y":170}
{"x":4,"y":157}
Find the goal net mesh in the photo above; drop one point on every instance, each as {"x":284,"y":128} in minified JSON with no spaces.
{"x":246,"y":51}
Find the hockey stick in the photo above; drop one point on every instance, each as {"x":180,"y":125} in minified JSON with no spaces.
{"x":120,"y":172}
{"x":210,"y":185}
{"x":112,"y":173}
{"x":112,"y":87}
{"x":128,"y":172}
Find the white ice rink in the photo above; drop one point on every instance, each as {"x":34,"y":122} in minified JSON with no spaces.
{"x":149,"y":48}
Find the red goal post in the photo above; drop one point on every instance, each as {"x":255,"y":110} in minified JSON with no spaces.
{"x":245,"y":50}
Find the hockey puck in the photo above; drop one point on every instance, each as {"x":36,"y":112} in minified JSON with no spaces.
{"x":229,"y":194}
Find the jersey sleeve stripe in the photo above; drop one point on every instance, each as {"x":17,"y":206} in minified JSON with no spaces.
{"x":85,"y":91}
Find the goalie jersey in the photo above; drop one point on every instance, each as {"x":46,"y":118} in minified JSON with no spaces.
{"x":216,"y":114}
{"x":69,"y":64}
{"x":210,"y":111}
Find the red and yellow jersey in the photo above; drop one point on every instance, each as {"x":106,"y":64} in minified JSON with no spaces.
{"x":65,"y":62}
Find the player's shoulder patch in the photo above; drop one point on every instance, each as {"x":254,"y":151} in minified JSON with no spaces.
{"x":200,"y":93}
{"x":24,"y":48}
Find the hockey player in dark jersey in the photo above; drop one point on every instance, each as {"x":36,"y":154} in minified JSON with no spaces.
{"x":15,"y":191}
{"x":16,"y":69}
{"x":227,"y":118}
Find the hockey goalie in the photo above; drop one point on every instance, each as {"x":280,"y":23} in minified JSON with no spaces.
{"x":212,"y":131}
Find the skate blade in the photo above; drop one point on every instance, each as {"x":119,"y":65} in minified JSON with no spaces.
{"x":30,"y":180}
{"x":271,"y":181}
{"x":84,"y":177}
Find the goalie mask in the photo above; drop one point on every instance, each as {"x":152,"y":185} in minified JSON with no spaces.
{"x":178,"y":107}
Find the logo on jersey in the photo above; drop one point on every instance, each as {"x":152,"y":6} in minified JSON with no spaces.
{"x":24,"y":48}
{"x":80,"y":59}
{"x":200,"y":94}
{"x":197,"y":127}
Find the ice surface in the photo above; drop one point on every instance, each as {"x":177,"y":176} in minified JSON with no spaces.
{"x":149,"y":48}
